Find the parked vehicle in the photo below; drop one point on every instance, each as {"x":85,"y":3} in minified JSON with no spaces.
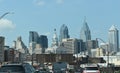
{"x":59,"y":67}
{"x":91,"y":70}
{"x":17,"y":68}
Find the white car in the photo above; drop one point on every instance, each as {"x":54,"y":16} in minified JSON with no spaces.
{"x":91,"y":70}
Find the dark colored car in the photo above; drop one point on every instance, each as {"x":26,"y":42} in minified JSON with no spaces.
{"x":17,"y":68}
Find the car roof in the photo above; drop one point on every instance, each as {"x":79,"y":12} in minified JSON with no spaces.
{"x":89,"y":65}
{"x":15,"y":64}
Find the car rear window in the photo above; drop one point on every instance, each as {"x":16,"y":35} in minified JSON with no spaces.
{"x":91,"y":68}
{"x":12,"y":68}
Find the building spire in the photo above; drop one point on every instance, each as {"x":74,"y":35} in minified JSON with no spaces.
{"x":85,"y":31}
{"x":84,"y":18}
{"x":55,"y":39}
{"x":55,"y":30}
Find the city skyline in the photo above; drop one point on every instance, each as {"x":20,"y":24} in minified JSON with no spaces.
{"x":44,"y":16}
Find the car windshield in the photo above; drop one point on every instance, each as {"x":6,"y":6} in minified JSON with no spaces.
{"x":91,"y":68}
{"x":12,"y":68}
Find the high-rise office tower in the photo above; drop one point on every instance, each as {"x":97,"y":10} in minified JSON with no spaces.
{"x":43,"y":41}
{"x":85,"y":32}
{"x":92,"y":44}
{"x":64,"y":32}
{"x":113,"y":39}
{"x":71,"y":45}
{"x":35,"y":39}
{"x":33,"y":36}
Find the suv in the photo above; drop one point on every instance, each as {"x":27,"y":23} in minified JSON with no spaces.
{"x":17,"y":68}
{"x":91,"y":70}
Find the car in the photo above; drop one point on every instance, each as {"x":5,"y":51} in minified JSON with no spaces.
{"x":59,"y":67}
{"x":91,"y":70}
{"x":17,"y":68}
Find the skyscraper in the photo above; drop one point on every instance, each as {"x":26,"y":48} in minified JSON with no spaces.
{"x":64,"y":32}
{"x":71,"y":45}
{"x":43,"y":41}
{"x":33,"y":37}
{"x":113,"y":39}
{"x":33,"y":40}
{"x":85,"y":32}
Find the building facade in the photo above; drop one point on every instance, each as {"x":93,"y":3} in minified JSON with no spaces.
{"x":71,"y":45}
{"x":51,"y":58}
{"x":85,"y":33}
{"x":33,"y":36}
{"x":80,"y":45}
{"x":2,"y":43}
{"x":91,"y":44}
{"x":64,"y":33}
{"x":113,"y":39}
{"x":35,"y":39}
{"x":104,"y":47}
{"x":43,"y":41}
{"x":19,"y":45}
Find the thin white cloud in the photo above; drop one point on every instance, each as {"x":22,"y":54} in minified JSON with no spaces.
{"x":44,"y":2}
{"x":47,"y":34}
{"x":6,"y":25}
{"x":60,"y":1}
{"x":39,"y":2}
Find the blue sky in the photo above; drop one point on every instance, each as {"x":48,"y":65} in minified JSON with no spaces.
{"x":45,"y":15}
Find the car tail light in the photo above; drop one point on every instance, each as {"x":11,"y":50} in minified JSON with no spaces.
{"x":98,"y":71}
{"x":83,"y":72}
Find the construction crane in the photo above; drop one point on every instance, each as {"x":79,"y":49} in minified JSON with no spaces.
{"x":5,"y":14}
